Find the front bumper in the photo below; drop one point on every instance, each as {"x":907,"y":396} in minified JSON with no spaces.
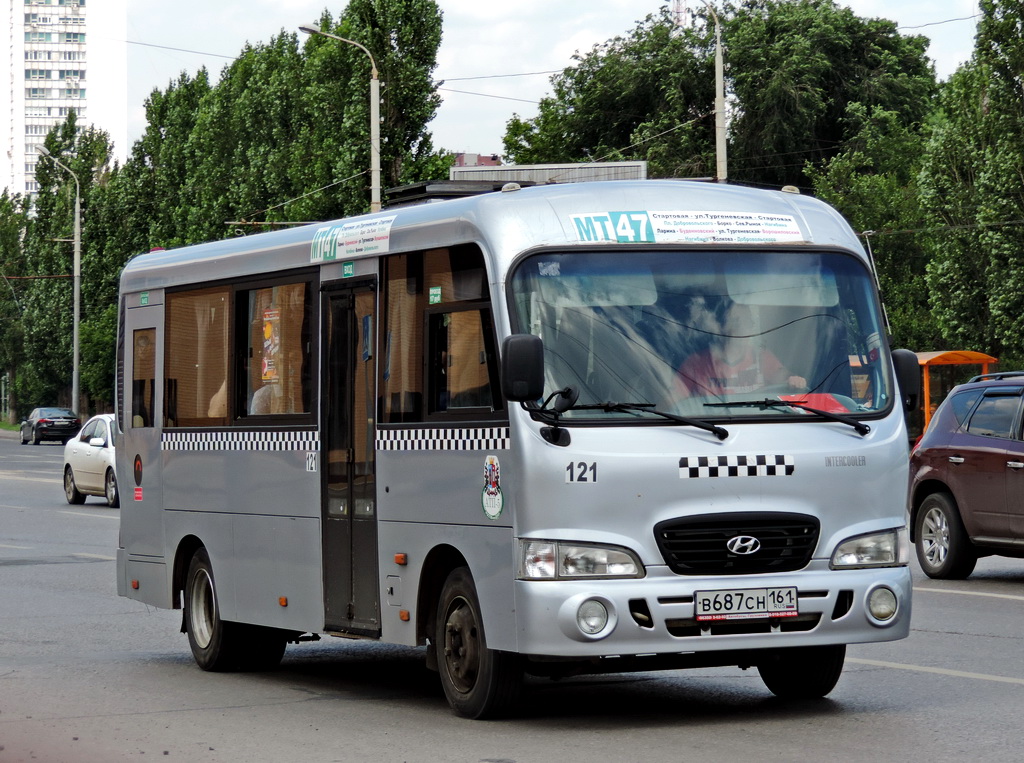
{"x":655,"y":614}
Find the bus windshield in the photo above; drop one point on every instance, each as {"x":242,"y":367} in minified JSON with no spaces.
{"x":723,"y":335}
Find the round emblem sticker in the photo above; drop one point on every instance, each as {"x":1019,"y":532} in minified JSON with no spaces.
{"x":492,"y":500}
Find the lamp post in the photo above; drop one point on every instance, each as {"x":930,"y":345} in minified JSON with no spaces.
{"x":77,"y":274}
{"x":721,"y":168}
{"x":374,"y":113}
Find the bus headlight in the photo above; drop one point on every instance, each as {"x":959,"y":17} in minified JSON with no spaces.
{"x":884,"y":549}
{"x":559,"y":560}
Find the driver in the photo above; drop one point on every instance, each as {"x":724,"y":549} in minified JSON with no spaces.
{"x":734,"y":363}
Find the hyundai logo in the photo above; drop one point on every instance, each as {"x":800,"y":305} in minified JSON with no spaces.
{"x":743,"y":544}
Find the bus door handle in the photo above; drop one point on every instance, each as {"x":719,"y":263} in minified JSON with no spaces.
{"x":956,"y":459}
{"x":1015,"y":464}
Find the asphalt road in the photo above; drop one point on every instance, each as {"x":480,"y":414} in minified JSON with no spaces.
{"x":87,"y":676}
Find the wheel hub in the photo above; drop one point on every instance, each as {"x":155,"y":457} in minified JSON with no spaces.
{"x":462,"y":646}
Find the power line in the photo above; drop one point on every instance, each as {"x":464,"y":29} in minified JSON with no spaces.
{"x":937,"y":23}
{"x":488,"y":95}
{"x":498,"y":76}
{"x":179,"y":50}
{"x":964,"y":226}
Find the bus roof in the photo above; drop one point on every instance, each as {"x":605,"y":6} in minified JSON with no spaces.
{"x":616,"y":213}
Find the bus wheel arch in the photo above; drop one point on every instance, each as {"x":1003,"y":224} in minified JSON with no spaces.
{"x":187,"y":548}
{"x":435,"y":571}
{"x":219,"y":645}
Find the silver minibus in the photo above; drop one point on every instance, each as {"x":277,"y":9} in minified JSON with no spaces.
{"x":563,"y":429}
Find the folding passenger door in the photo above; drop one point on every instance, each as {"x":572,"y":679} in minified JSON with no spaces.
{"x":348,"y":402}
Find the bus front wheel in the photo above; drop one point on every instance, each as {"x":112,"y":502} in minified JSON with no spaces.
{"x":218,"y":645}
{"x":478,"y":682}
{"x":808,"y":672}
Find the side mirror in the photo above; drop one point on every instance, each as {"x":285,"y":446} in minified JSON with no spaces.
{"x":908,"y":377}
{"x":97,"y":442}
{"x":522,"y":368}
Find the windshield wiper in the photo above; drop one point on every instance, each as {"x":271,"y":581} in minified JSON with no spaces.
{"x":610,"y":407}
{"x":860,"y":426}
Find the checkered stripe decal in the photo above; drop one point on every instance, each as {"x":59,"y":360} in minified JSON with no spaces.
{"x":693,"y":467}
{"x":477,"y":438}
{"x":218,"y":440}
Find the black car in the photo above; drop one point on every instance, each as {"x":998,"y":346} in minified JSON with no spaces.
{"x":967,"y":477}
{"x":50,"y":424}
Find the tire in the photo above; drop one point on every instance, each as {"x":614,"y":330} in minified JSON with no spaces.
{"x":943,"y":547}
{"x":809,"y":672}
{"x":36,"y":439}
{"x":110,"y":490}
{"x":24,"y":439}
{"x":220,"y":646}
{"x":71,"y":489}
{"x":478,"y":682}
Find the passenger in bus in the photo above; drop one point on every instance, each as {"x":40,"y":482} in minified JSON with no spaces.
{"x":735,"y":363}
{"x":219,"y":402}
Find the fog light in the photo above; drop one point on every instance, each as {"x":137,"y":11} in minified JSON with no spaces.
{"x":592,"y":617}
{"x":882,"y":604}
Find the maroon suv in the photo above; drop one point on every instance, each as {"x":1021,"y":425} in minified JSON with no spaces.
{"x":967,"y":477}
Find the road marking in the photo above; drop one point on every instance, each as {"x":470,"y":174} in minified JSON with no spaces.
{"x":970,"y":593}
{"x":20,"y":548}
{"x":101,"y":557}
{"x":11,"y":476}
{"x":84,"y":514}
{"x":939,"y":671}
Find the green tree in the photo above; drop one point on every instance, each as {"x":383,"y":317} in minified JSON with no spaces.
{"x":649,"y":95}
{"x":12,"y":226}
{"x":333,"y":144}
{"x":48,"y":305}
{"x":792,"y":67}
{"x":795,"y":69}
{"x":873,"y":182}
{"x":971,"y":189}
{"x":282,"y":136}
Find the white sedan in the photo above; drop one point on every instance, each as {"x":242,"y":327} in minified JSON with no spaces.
{"x":89,"y":462}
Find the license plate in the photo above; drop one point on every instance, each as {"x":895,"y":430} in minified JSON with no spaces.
{"x":745,"y":603}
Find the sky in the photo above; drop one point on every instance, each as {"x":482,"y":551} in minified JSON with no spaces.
{"x":484,"y":42}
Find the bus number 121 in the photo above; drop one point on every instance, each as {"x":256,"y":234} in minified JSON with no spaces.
{"x":581,"y":472}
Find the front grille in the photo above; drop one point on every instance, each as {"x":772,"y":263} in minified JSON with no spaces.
{"x":688,"y":627}
{"x":697,"y":545}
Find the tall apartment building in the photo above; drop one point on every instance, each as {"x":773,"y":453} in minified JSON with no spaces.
{"x":61,"y":55}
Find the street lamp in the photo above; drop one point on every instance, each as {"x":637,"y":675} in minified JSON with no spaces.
{"x":374,"y":114}
{"x":721,"y":169}
{"x":43,"y":152}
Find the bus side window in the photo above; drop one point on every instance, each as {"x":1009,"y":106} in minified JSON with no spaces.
{"x":461,"y":366}
{"x":196,"y":357}
{"x":143,"y":377}
{"x":439,"y":354}
{"x":275,"y":362}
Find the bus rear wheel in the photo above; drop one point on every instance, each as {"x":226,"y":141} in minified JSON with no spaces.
{"x":218,"y":645}
{"x":808,"y":672}
{"x":478,"y":682}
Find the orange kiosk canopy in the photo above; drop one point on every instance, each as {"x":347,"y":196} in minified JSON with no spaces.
{"x":946,"y":358}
